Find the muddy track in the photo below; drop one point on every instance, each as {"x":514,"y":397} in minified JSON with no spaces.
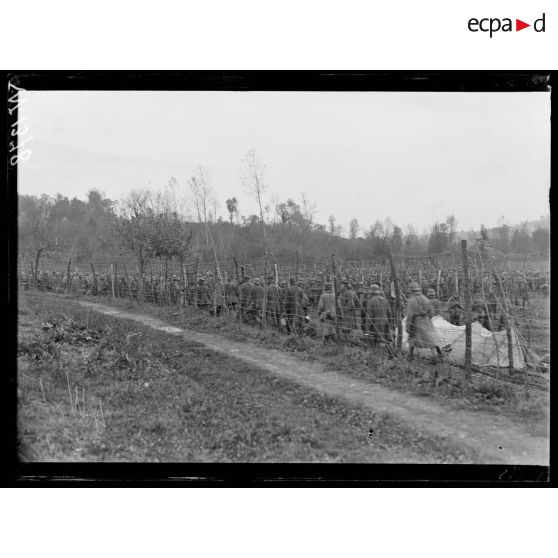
{"x":495,"y":439}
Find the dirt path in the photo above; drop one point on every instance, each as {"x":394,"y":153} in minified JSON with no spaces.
{"x":494,"y":438}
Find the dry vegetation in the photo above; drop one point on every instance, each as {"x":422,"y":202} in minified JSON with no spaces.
{"x":444,"y":382}
{"x":96,"y":388}
{"x":93,"y":387}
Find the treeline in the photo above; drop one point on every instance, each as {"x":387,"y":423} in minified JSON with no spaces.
{"x":165,"y":225}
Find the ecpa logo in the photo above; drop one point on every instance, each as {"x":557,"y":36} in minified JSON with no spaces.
{"x":494,"y":24}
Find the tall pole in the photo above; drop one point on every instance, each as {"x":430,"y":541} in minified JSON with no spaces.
{"x":506,"y":314}
{"x":334,"y":275}
{"x":468,"y":314}
{"x":397,"y":308}
{"x":264,"y":301}
{"x":94,"y":279}
{"x":128,"y":280}
{"x":68,"y":280}
{"x":112,"y":280}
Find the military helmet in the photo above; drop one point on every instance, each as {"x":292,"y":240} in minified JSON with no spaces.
{"x":431,"y":292}
{"x":414,"y":287}
{"x":375,"y":289}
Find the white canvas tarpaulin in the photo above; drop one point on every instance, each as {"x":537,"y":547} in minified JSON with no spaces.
{"x":487,"y":348}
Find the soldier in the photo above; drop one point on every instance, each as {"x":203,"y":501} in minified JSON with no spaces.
{"x":349,"y":307}
{"x":161,"y":290}
{"x":293,"y":306}
{"x":326,"y":314}
{"x":231,"y":295}
{"x":122,"y":286}
{"x":378,"y":317}
{"x":274,"y":296}
{"x":60,"y":284}
{"x":101,"y":284}
{"x":422,"y":334}
{"x":455,"y":310}
{"x":304,"y":303}
{"x":190,"y":292}
{"x":202,"y":295}
{"x":219,"y":296}
{"x":492,"y":303}
{"x":256,"y":301}
{"x":134,"y":286}
{"x":436,"y":304}
{"x":523,"y":293}
{"x":479,"y":313}
{"x":174,"y":288}
{"x":360,"y":310}
{"x":245,"y":297}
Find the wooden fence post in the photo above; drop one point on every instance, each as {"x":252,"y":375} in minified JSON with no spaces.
{"x":489,"y":317}
{"x":95,"y":279}
{"x":468,"y":315}
{"x":505,"y":312}
{"x":166,"y":291}
{"x":334,"y":276}
{"x":68,"y":281}
{"x":127,"y":280}
{"x":236,"y":269}
{"x":112,"y":280}
{"x":397,"y":309}
{"x":264,"y":301}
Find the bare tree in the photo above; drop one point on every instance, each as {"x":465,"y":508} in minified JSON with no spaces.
{"x":451,"y":223}
{"x":136,"y":226}
{"x":253,"y":181}
{"x":308,"y":208}
{"x":353,"y":228}
{"x":331,"y":222}
{"x":39,"y":233}
{"x":202,"y":196}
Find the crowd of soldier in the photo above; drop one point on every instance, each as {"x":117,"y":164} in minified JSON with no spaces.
{"x":286,"y":305}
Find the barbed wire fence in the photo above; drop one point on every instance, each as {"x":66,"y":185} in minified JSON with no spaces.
{"x":512,"y":296}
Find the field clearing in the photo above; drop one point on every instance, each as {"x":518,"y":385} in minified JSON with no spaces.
{"x":96,"y":388}
{"x":215,"y":408}
{"x":441,"y":381}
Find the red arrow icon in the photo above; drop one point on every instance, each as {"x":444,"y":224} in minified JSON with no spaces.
{"x":519,"y":25}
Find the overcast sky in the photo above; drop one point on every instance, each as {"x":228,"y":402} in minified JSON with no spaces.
{"x":415,"y":157}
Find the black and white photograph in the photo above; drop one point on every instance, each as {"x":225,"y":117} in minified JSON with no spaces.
{"x":240,"y":272}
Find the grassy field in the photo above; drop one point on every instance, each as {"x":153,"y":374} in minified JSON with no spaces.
{"x":96,"y":388}
{"x":442,"y":381}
